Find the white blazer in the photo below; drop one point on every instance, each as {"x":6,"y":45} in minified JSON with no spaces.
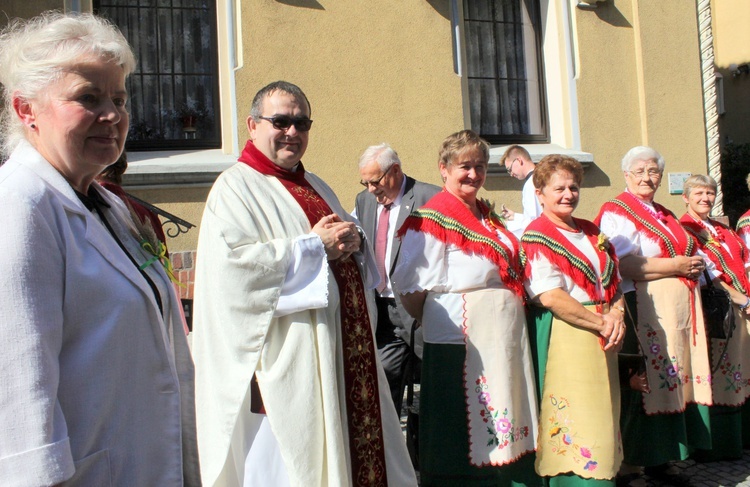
{"x":95,"y":386}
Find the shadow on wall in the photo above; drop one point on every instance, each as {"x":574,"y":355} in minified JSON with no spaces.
{"x":607,"y":12}
{"x":735,"y":167}
{"x":442,"y":7}
{"x":313,"y":4}
{"x":733,"y":102}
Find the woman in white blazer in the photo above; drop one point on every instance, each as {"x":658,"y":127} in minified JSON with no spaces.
{"x":96,"y":379}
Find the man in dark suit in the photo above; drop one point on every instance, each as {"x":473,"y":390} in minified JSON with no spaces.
{"x":387,"y":200}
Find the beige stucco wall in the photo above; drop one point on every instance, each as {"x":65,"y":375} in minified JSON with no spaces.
{"x":639,"y":84}
{"x":732,"y":46}
{"x":373,"y":71}
{"x":383,"y":71}
{"x":26,"y":9}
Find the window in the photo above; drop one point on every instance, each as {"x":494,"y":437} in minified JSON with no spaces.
{"x":504,"y":70}
{"x":174,"y":91}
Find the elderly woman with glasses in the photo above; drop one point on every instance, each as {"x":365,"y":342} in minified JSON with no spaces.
{"x":97,"y":380}
{"x":726,"y":250}
{"x":460,"y":276}
{"x":660,"y":271}
{"x":578,"y":321}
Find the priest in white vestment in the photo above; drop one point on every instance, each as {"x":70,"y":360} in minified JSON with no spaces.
{"x":289,"y":390}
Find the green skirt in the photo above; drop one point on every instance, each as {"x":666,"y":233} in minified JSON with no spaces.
{"x":658,"y":439}
{"x":539,"y":320}
{"x":443,"y":430}
{"x":726,"y":434}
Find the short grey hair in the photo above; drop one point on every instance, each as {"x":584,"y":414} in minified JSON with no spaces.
{"x":641,"y":153}
{"x":698,"y":181}
{"x":35,"y":53}
{"x":382,"y":153}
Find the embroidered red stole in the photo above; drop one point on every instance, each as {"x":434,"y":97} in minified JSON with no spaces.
{"x":542,"y":237}
{"x":673,"y":243}
{"x":366,"y":447}
{"x":731,"y":263}
{"x":449,"y":220}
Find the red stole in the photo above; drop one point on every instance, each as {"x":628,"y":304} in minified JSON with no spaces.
{"x":542,"y":237}
{"x":366,"y":449}
{"x":449,"y":220}
{"x":732,"y":263}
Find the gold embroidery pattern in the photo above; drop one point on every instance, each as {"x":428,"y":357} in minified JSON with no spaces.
{"x":363,"y":400}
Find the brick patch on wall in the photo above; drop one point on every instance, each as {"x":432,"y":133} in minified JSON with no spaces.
{"x":184,"y":269}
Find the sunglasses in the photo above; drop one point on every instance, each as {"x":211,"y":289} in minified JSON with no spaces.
{"x":283,"y":122}
{"x":376,"y":183}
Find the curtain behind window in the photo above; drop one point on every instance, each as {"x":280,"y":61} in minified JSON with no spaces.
{"x":504,"y":69}
{"x":173,"y":93}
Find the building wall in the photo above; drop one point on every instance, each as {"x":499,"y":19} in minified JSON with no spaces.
{"x":373,"y":71}
{"x":25,"y":9}
{"x":640,"y":84}
{"x":384,"y":71}
{"x":732,"y":46}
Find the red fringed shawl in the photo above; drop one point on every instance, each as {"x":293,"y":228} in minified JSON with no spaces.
{"x":743,"y":224}
{"x":672,"y":244}
{"x":731,"y":263}
{"x":542,"y":237}
{"x":448,"y":219}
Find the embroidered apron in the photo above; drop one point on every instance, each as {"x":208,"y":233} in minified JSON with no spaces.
{"x":579,"y":419}
{"x":498,"y":378}
{"x":677,"y":360}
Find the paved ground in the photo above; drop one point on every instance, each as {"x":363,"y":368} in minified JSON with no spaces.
{"x":713,"y":474}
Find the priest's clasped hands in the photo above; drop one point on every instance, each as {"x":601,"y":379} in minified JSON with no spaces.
{"x":340,"y":238}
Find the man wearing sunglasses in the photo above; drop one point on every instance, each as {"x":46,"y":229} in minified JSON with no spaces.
{"x":388,"y":198}
{"x":519,"y":165}
{"x":287,"y":375}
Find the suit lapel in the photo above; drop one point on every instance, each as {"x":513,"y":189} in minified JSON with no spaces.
{"x":95,"y":232}
{"x":370,"y":217}
{"x":407,"y":205}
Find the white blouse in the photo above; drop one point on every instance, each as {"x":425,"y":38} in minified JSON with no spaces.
{"x":445,"y":271}
{"x":627,"y":240}
{"x":546,"y":275}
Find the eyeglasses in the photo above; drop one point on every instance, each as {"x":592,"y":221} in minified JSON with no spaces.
{"x":283,"y":122}
{"x":376,"y":183}
{"x":510,"y":168}
{"x":651,"y":173}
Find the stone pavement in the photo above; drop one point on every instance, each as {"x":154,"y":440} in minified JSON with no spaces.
{"x":734,"y":473}
{"x":710,"y":474}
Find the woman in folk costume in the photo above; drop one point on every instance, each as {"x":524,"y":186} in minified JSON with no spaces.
{"x":743,"y":224}
{"x":578,"y":312}
{"x":460,"y":277}
{"x":743,"y":230}
{"x":660,"y":272}
{"x":729,"y":254}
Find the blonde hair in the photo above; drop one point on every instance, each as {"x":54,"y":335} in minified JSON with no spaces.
{"x":698,"y":181}
{"x":458,"y":142}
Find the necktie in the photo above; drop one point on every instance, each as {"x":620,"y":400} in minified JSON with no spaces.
{"x":381,"y":242}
